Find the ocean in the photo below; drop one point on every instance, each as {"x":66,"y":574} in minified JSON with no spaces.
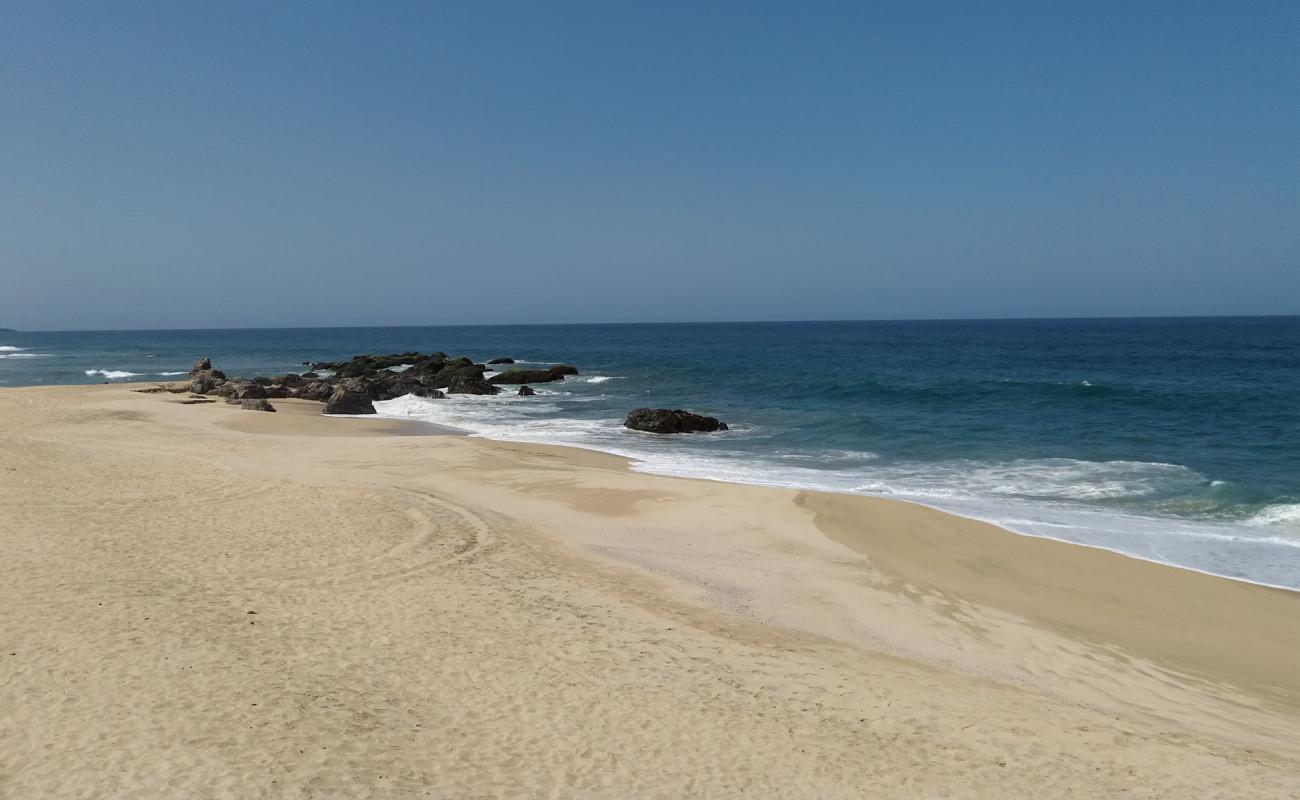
{"x":1173,"y":440}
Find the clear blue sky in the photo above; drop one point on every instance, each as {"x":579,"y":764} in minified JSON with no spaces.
{"x":244,"y":164}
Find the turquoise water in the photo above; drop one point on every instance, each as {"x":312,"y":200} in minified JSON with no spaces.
{"x":1176,"y":440}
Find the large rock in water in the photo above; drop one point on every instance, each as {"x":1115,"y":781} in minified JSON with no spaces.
{"x":346,"y":401}
{"x":496,"y":361}
{"x":671,"y":420}
{"x":526,"y":391}
{"x":464,"y":384}
{"x":555,"y":373}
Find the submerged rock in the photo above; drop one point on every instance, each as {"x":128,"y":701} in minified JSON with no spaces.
{"x":672,"y":420}
{"x":526,"y":391}
{"x":496,"y":361}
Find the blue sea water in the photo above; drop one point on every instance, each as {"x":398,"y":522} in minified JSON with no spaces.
{"x":1175,"y":440}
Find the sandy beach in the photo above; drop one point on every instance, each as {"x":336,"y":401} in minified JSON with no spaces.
{"x":201,"y":601}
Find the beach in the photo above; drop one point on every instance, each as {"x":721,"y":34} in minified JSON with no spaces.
{"x":201,"y":601}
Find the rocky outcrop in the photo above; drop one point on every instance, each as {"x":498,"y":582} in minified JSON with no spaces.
{"x":362,"y":365}
{"x":203,"y":378}
{"x":470,"y":385}
{"x":497,"y":361}
{"x":672,"y":420}
{"x":346,"y":401}
{"x":319,"y":391}
{"x":238,"y":389}
{"x":361,"y":381}
{"x":555,"y":373}
{"x":256,"y":405}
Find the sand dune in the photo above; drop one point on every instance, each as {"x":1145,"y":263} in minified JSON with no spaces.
{"x":199,"y":601}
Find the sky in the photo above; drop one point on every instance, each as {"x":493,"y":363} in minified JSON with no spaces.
{"x":250,"y":164}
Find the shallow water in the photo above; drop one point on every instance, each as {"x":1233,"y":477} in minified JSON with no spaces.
{"x":1176,"y":440}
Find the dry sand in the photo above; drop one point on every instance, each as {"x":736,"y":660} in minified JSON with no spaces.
{"x":199,"y":601}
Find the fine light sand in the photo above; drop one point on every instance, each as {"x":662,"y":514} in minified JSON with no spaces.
{"x":204,"y":602}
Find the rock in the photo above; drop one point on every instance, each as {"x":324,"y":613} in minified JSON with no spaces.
{"x":526,"y":391}
{"x":368,"y":364}
{"x":432,"y":394}
{"x":261,"y":380}
{"x":463,"y":384}
{"x":496,"y":361}
{"x":256,"y":405}
{"x":665,"y":420}
{"x":194,"y":401}
{"x":449,"y":372}
{"x":277,"y":392}
{"x":309,"y":376}
{"x":245,"y":391}
{"x":564,"y":369}
{"x":204,"y":381}
{"x":526,"y":376}
{"x":346,"y":401}
{"x":319,"y":391}
{"x":152,"y":390}
{"x":290,"y":380}
{"x":203,"y":378}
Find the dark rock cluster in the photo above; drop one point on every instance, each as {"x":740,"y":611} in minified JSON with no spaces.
{"x":672,"y":420}
{"x":358,"y":382}
{"x":355,"y":385}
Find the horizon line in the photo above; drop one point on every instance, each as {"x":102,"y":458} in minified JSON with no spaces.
{"x":674,"y":322}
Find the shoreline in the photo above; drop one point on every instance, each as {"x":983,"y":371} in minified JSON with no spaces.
{"x":493,"y":589}
{"x":634,"y":460}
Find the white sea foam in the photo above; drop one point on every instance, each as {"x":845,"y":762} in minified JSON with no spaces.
{"x":113,"y":374}
{"x":24,"y":355}
{"x":1287,"y":514}
{"x":601,"y":378}
{"x":169,"y":374}
{"x":9,"y":348}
